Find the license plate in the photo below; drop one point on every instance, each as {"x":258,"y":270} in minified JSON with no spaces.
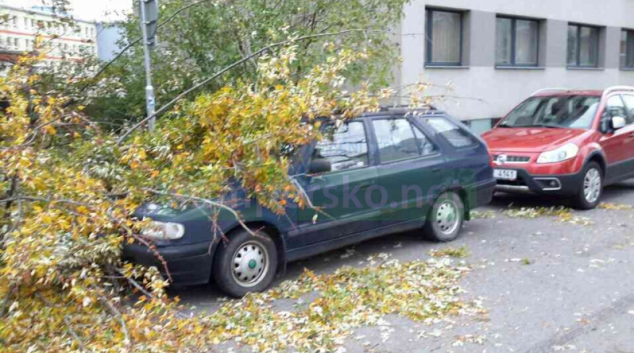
{"x":505,"y":174}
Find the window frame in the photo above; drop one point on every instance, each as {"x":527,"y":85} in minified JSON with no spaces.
{"x":597,"y":55}
{"x":605,"y":125}
{"x":429,"y":16}
{"x":514,"y":20}
{"x":629,"y":40}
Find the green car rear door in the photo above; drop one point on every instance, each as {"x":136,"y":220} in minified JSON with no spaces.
{"x":411,"y":170}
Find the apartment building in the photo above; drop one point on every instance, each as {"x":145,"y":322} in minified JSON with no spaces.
{"x":483,"y":57}
{"x":62,"y":41}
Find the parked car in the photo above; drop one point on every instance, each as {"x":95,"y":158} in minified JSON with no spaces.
{"x":566,"y":142}
{"x":378,"y":174}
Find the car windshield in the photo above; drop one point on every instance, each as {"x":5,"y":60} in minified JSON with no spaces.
{"x":575,"y":112}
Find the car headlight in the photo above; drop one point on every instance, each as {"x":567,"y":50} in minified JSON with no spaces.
{"x":559,"y":155}
{"x":163,"y":230}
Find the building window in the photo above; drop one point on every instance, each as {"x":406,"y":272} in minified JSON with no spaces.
{"x":517,"y":42}
{"x":444,"y":38}
{"x":627,"y":49}
{"x":583,"y":46}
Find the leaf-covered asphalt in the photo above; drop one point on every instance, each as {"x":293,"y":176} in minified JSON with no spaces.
{"x":549,"y":285}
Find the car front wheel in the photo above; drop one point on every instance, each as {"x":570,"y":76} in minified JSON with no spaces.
{"x":591,"y":188}
{"x":446,"y":218}
{"x":246,"y":263}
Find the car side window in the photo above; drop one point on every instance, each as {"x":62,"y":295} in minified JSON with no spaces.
{"x":629,"y":102}
{"x":613,"y":107}
{"x":345,"y":147}
{"x":395,"y":139}
{"x":425,"y":146}
{"x":456,"y":136}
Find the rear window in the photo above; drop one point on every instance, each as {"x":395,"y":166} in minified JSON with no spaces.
{"x":456,"y":136}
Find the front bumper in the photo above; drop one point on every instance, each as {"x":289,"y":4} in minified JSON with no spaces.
{"x":187,"y":264}
{"x":549,"y":184}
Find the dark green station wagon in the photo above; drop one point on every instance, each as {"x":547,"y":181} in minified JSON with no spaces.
{"x":378,"y":174}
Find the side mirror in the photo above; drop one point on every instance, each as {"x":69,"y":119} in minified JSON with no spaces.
{"x":319,"y":165}
{"x":618,"y":122}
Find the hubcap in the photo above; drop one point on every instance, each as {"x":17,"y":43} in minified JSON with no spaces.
{"x":592,"y":185}
{"x":250,"y":264}
{"x":447,"y":217}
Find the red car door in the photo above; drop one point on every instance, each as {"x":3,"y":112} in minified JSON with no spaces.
{"x":618,"y":145}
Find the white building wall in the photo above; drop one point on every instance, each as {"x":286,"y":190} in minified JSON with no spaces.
{"x":63,"y":41}
{"x":479,"y":90}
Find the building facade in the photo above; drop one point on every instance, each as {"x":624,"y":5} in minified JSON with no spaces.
{"x":482,"y":58}
{"x":62,"y":41}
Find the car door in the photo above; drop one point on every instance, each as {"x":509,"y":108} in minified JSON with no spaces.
{"x":410,"y":169}
{"x":618,"y":145}
{"x":338,"y":195}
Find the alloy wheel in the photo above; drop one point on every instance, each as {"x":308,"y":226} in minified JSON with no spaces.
{"x":592,"y":185}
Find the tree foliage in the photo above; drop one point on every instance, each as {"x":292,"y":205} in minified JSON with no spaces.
{"x":69,"y":189}
{"x":206,"y":35}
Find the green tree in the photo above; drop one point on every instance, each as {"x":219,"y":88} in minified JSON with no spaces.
{"x":206,"y":36}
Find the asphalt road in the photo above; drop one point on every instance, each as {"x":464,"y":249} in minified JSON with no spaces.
{"x":577,"y":294}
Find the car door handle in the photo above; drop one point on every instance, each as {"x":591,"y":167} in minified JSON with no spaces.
{"x":435,"y":170}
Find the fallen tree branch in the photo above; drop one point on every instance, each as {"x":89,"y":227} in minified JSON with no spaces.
{"x":147,"y":293}
{"x":117,"y":314}
{"x":204,"y":82}
{"x":76,"y":337}
{"x":208,"y":202}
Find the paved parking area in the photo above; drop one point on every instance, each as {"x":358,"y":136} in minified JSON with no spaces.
{"x":576,"y":295}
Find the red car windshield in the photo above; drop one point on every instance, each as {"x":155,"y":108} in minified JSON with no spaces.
{"x":575,"y":112}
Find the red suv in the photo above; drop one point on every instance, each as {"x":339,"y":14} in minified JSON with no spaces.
{"x":565,"y":142}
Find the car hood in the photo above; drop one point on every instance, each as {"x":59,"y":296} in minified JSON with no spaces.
{"x":529,"y":139}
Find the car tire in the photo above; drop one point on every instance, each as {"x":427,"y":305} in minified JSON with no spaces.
{"x":590,"y":187}
{"x":245,"y":264}
{"x":445,"y":218}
